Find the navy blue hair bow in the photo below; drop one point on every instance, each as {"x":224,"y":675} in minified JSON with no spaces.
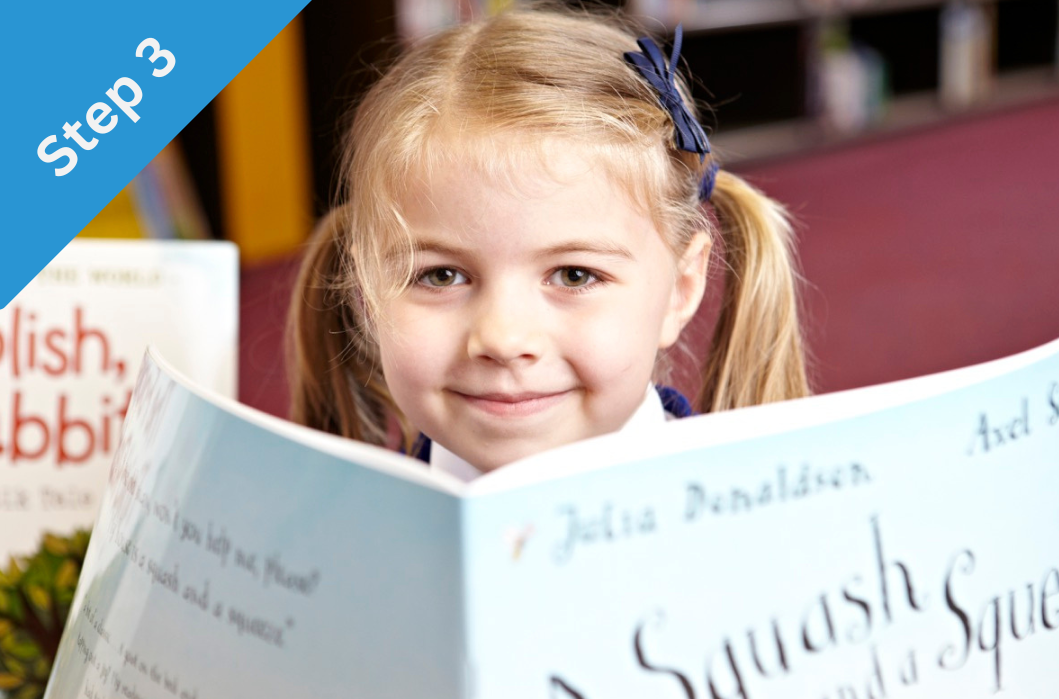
{"x":651,"y":64}
{"x":709,"y":178}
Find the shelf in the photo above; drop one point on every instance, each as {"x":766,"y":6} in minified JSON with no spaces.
{"x":906,"y":112}
{"x":714,"y":15}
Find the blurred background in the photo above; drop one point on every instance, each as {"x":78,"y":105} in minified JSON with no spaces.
{"x":916,"y":143}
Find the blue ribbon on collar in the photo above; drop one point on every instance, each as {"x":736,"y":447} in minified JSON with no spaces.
{"x":651,"y":64}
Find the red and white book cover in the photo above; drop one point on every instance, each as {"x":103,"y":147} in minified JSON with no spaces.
{"x":71,"y":344}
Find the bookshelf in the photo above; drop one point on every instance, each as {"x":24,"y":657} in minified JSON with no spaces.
{"x":757,"y":62}
{"x":917,"y":110}
{"x":775,"y":70}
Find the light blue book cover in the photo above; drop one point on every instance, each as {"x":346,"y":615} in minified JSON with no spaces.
{"x":897,"y":541}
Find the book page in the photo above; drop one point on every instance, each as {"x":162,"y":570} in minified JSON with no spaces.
{"x":232,"y":560}
{"x":905,"y":550}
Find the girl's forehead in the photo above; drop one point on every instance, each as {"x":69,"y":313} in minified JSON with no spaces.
{"x":568,"y":204}
{"x":518,"y":164}
{"x":457,"y":182}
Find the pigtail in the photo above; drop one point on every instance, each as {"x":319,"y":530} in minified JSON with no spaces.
{"x":756,"y":354}
{"x":335,"y":380}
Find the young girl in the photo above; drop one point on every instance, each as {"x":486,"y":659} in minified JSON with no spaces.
{"x":524,"y":230}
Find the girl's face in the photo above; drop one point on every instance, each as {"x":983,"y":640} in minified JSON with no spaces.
{"x":538,"y":309}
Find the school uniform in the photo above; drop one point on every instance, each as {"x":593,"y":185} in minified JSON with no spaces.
{"x":660,"y":403}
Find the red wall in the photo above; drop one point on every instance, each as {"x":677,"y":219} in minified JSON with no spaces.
{"x":930,"y":250}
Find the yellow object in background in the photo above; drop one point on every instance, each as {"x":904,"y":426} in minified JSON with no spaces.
{"x":117,"y":219}
{"x":263,"y":151}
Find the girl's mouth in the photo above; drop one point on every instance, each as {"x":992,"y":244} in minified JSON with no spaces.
{"x":513,"y":404}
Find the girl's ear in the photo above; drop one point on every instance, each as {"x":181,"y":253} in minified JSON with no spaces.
{"x":689,"y":285}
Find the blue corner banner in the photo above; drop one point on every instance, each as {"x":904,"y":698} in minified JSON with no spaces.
{"x":92,"y":93}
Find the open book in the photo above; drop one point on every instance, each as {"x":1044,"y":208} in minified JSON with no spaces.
{"x":894,"y":541}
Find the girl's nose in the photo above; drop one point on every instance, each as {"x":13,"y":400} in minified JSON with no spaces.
{"x":504,"y":329}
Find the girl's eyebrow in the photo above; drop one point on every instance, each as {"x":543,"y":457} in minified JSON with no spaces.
{"x":420,"y":246}
{"x":438,"y":247}
{"x":593,"y":247}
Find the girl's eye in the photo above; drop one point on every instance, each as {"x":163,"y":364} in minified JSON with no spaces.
{"x":441,"y":277}
{"x":573,"y":277}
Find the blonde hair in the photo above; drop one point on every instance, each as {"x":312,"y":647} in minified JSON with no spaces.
{"x":495,"y":90}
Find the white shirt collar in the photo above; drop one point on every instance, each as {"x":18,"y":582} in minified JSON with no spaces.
{"x":649,"y":414}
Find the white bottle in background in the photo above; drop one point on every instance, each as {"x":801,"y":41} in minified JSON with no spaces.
{"x":965,"y":54}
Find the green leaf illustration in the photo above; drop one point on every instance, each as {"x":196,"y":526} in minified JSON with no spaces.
{"x":36,"y":592}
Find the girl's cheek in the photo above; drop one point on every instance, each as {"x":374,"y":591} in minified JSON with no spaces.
{"x":610,"y":345}
{"x":411,"y":343}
